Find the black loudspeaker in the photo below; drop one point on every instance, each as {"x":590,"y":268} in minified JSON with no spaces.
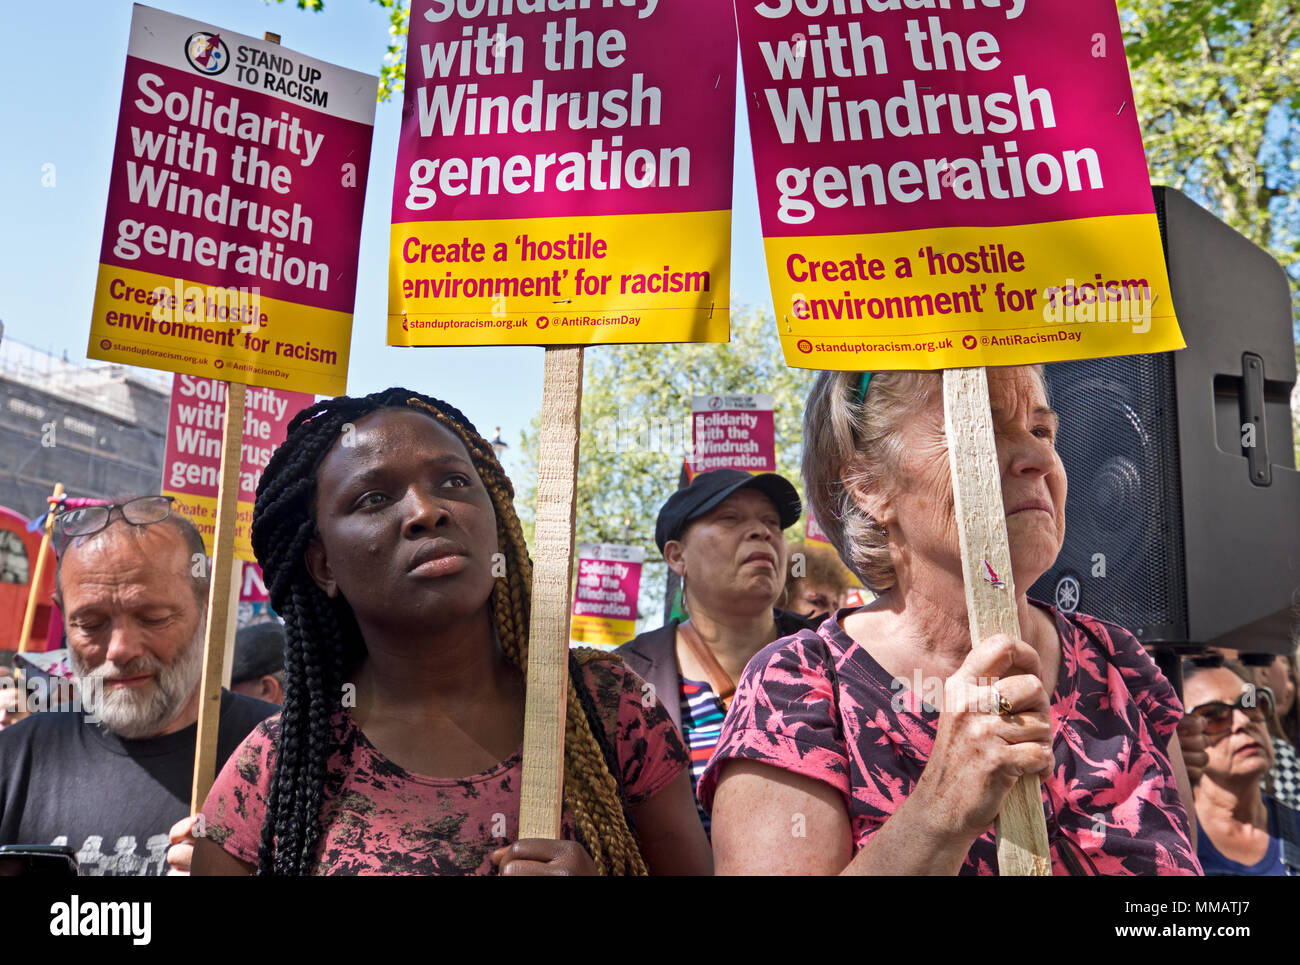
{"x":1177,"y":527}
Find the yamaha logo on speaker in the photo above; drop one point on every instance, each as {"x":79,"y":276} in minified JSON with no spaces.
{"x":1067,"y":594}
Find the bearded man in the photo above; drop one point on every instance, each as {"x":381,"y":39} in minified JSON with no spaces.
{"x":111,"y":777}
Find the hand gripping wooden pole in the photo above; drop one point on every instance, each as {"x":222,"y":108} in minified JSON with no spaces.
{"x":221,"y":614}
{"x":542,"y":783}
{"x":986,"y":563}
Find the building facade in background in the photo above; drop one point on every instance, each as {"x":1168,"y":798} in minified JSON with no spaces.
{"x":98,"y":428}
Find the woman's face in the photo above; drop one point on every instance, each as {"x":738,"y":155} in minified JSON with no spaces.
{"x":917,"y":509}
{"x":733,"y":557}
{"x":407,"y":529}
{"x":1244,"y":749}
{"x":810,"y":599}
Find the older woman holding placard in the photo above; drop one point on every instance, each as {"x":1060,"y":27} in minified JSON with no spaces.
{"x":884,"y":742}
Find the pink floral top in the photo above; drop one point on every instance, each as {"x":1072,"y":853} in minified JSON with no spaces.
{"x":819,"y":705}
{"x":381,"y":819}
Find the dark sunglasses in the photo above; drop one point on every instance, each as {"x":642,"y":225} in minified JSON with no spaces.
{"x":1257,"y":703}
{"x":91,"y":519}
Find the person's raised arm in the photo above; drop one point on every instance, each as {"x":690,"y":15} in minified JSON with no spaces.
{"x":770,"y":821}
{"x":773,"y":822}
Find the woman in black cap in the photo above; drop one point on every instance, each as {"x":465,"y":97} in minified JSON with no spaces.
{"x":724,"y":536}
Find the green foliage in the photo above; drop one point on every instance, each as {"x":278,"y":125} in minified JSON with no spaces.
{"x":1215,"y":85}
{"x":394,"y":65}
{"x":636,"y":429}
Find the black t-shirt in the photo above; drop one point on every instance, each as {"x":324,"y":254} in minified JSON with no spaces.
{"x":66,"y":781}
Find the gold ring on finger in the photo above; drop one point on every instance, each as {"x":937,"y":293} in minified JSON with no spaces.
{"x":1001,"y":704}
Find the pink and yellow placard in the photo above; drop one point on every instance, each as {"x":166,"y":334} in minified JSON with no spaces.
{"x":234,"y":209}
{"x":732,"y":432}
{"x":605,"y":600}
{"x":564,"y":174}
{"x":192,"y":459}
{"x":951,"y":183}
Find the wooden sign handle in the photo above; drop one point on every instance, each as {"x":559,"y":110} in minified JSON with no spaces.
{"x":986,"y":562}
{"x":223,"y":590}
{"x":221,"y":615}
{"x":38,"y":575}
{"x":542,"y":782}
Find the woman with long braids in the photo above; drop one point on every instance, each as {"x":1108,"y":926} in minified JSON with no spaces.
{"x":386,"y":532}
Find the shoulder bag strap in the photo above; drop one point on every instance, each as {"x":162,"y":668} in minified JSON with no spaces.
{"x":719,"y":680}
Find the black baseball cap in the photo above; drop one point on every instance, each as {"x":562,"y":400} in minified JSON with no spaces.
{"x":259,"y":650}
{"x":708,"y":489}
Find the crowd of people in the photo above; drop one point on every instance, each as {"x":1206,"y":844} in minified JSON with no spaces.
{"x":378,"y":728}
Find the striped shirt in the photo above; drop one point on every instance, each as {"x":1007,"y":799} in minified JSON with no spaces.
{"x":702,"y":716}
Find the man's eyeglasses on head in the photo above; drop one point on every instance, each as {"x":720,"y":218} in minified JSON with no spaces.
{"x":89,"y":520}
{"x":1256,"y":702}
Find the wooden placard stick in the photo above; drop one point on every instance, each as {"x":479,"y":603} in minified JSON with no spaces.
{"x":990,"y":590}
{"x":221,"y":614}
{"x":38,"y":573}
{"x":223,"y":590}
{"x":542,"y":782}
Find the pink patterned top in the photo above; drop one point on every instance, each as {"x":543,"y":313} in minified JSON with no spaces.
{"x":381,"y":819}
{"x":819,"y":705}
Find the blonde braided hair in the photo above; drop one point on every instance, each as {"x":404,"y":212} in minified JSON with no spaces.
{"x":590,"y":789}
{"x":323,"y":642}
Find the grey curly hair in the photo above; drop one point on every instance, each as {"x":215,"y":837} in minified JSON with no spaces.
{"x":853,"y":444}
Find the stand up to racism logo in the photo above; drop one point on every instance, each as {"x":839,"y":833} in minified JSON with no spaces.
{"x":207,"y":53}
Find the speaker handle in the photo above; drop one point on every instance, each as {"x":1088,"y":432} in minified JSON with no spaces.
{"x":1252,"y":414}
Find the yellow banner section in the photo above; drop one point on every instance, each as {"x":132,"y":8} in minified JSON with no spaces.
{"x":202,"y":511}
{"x":961,"y":297}
{"x":593,"y":631}
{"x":233,"y":334}
{"x":561,"y":281}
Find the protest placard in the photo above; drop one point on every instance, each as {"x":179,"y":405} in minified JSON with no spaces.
{"x":192,"y":460}
{"x":812,"y":531}
{"x":563,"y":179}
{"x":234,"y":209}
{"x":946,"y":183}
{"x":564,"y":174}
{"x":732,"y":432}
{"x":605,"y":601}
{"x":953,"y":184}
{"x":254,"y":599}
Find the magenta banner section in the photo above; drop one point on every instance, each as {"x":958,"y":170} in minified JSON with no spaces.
{"x":535,"y":110}
{"x":192,"y":460}
{"x":891,"y":115}
{"x":227,"y":187}
{"x":733,"y":432}
{"x":607,"y":588}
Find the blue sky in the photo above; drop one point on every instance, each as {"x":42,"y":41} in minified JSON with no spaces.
{"x":61,"y":76}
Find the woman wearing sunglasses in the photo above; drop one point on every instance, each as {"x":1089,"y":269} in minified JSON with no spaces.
{"x":1243,"y":831}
